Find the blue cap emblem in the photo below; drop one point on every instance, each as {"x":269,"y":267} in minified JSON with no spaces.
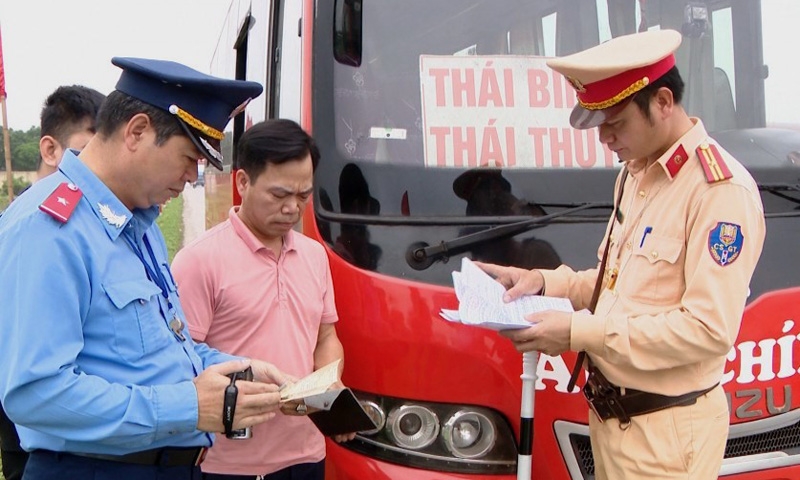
{"x":725,"y":243}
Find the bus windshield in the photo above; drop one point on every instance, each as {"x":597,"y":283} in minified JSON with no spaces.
{"x":459,"y":85}
{"x":464,"y":84}
{"x":447,"y":115}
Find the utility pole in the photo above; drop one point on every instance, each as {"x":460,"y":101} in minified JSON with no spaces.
{"x":7,"y":149}
{"x":6,"y":141}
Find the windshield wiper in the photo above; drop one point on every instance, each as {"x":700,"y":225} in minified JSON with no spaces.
{"x":420,"y":255}
{"x":777,"y":189}
{"x":437,"y":221}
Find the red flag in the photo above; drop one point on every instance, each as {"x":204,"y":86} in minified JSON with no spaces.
{"x":2,"y":72}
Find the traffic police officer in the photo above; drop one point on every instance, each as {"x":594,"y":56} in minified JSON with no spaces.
{"x":99,"y":371}
{"x":682,"y":246}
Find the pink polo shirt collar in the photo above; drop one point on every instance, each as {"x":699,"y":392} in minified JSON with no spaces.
{"x":249,"y":239}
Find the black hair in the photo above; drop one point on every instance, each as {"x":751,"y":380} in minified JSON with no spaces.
{"x":67,"y":108}
{"x":671,"y":80}
{"x":274,"y":141}
{"x":119,"y":108}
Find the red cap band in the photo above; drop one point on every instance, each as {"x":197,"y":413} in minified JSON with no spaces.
{"x":610,"y":91}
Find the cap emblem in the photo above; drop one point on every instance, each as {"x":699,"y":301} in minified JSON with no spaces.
{"x":576,"y":84}
{"x":195,"y":123}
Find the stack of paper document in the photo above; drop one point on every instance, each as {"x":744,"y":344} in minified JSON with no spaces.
{"x":480,"y":301}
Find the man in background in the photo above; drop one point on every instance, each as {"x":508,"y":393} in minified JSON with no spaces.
{"x":67,"y":121}
{"x":252,"y":286}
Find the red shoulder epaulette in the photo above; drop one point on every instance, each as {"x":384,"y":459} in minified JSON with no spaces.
{"x":713,"y":164}
{"x":62,"y":202}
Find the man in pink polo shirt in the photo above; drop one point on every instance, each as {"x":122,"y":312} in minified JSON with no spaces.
{"x":254,"y":287}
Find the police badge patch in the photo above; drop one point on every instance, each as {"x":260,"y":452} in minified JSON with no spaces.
{"x":725,"y":243}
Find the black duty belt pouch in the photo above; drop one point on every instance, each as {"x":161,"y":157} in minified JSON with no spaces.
{"x":607,"y":400}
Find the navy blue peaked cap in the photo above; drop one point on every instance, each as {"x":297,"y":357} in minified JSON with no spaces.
{"x":203,"y":104}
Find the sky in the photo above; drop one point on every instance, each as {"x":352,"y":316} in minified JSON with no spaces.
{"x":48,"y":43}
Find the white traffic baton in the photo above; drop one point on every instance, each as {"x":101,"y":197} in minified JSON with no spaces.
{"x":529,"y":361}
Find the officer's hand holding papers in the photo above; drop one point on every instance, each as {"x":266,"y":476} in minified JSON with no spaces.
{"x":480,"y":302}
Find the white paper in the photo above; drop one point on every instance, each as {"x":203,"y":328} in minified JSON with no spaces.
{"x":314,"y":384}
{"x":480,"y":301}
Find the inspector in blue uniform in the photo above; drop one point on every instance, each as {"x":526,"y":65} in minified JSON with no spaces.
{"x":92,"y":346}
{"x":97,"y":361}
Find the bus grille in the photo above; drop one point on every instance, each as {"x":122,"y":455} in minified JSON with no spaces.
{"x":785,"y":439}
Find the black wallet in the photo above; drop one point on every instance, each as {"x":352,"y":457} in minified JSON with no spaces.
{"x":341,"y":413}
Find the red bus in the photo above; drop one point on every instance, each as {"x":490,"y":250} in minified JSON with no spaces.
{"x":438,"y":123}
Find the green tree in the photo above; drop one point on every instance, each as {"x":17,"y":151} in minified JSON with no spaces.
{"x":24,"y":149}
{"x":25,"y":157}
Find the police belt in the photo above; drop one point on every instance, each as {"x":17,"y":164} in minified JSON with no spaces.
{"x":608,"y":400}
{"x":166,"y":457}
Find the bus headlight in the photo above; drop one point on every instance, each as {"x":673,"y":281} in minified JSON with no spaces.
{"x":377,"y":414}
{"x":445,"y":437}
{"x":412,"y":426}
{"x":468,"y":434}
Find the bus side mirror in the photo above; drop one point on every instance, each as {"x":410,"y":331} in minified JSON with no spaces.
{"x":347,"y":32}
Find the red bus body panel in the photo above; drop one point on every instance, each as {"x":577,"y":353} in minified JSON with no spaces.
{"x":397,"y":345}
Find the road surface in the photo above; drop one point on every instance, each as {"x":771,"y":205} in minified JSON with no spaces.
{"x":194,"y":212}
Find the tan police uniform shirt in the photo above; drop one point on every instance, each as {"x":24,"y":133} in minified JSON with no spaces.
{"x":668,"y":320}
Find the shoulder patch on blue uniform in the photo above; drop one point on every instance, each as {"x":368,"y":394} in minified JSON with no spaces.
{"x":62,"y":202}
{"x":725,"y":243}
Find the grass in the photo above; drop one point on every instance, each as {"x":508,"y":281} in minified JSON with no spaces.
{"x":171,"y":223}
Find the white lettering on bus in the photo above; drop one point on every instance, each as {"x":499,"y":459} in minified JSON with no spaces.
{"x":744,"y":357}
{"x":553,"y":369}
{"x":761,"y":354}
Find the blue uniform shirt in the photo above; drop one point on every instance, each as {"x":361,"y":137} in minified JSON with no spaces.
{"x":89,"y":363}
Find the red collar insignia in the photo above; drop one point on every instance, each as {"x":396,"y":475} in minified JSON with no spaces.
{"x":676,"y":161}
